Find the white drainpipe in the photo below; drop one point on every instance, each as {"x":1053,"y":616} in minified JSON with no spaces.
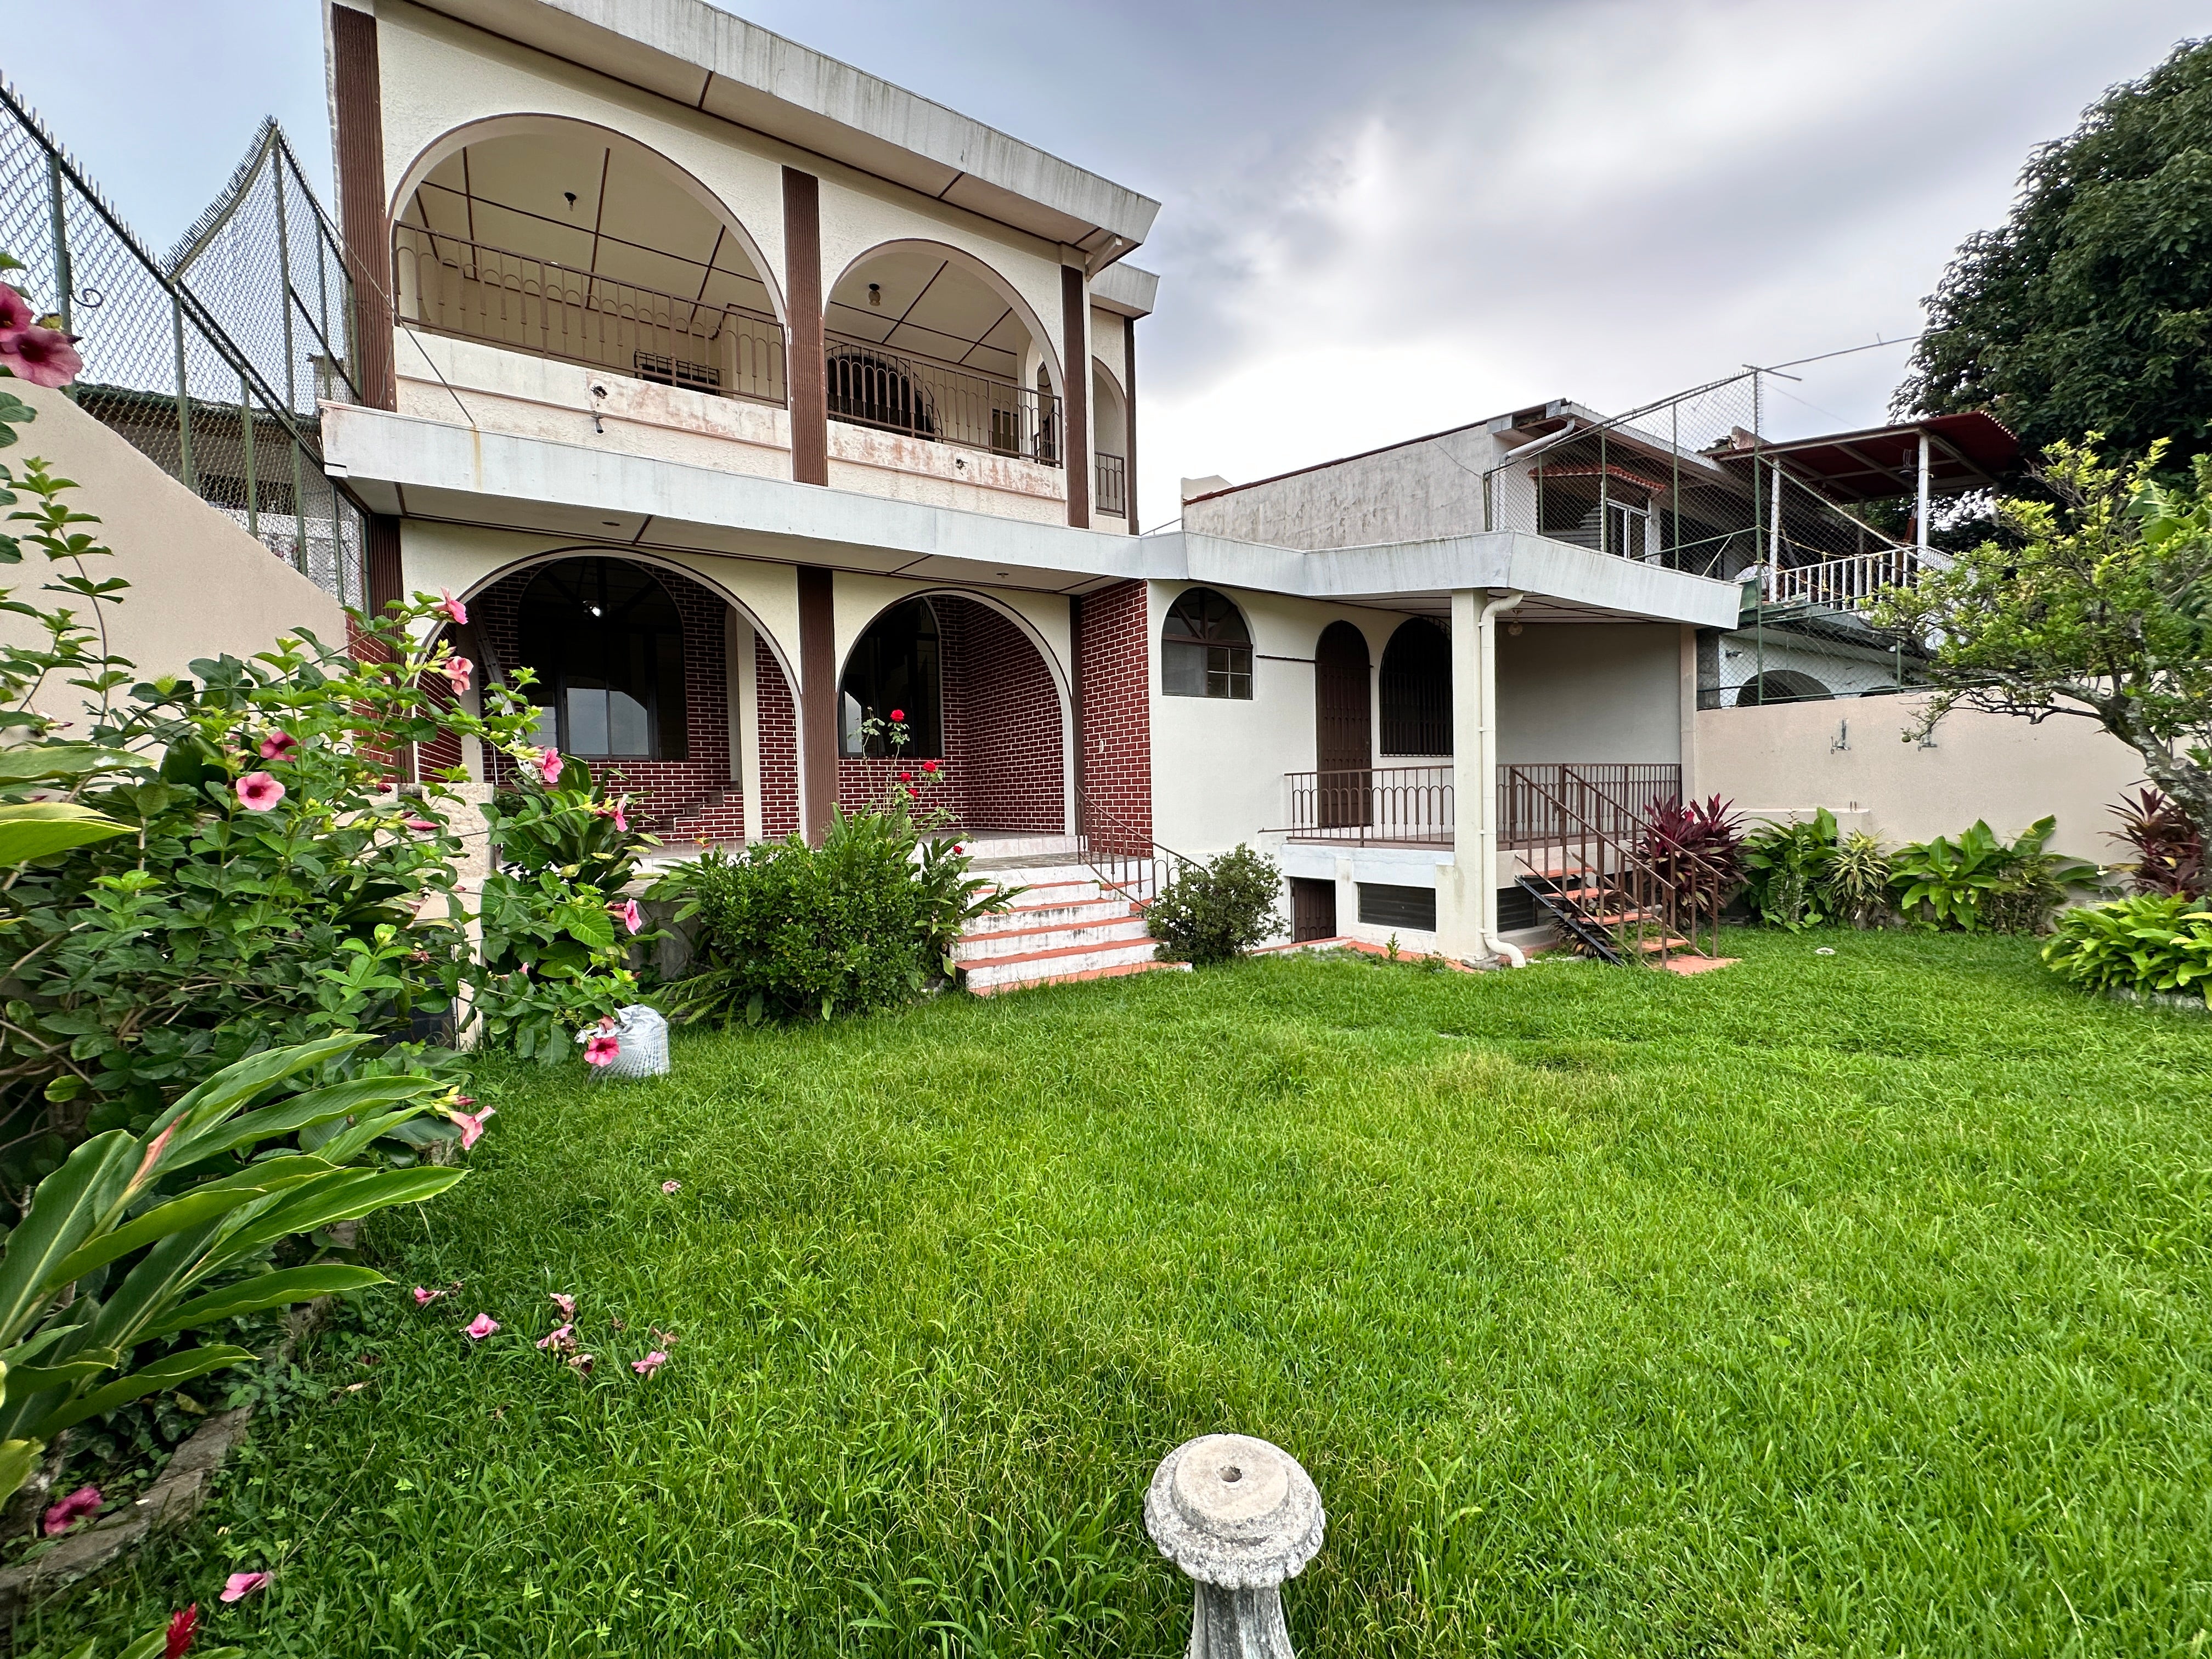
{"x":1486,"y":751}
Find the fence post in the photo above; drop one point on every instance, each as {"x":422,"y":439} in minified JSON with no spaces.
{"x":284,"y":294}
{"x":252,"y":488}
{"x":184,"y":399}
{"x":1238,"y":1517}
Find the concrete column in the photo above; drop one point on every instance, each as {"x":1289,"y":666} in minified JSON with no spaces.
{"x":1075,"y":396}
{"x":1688,"y":694}
{"x":805,"y":377}
{"x":743,"y":672}
{"x":1467,"y":890}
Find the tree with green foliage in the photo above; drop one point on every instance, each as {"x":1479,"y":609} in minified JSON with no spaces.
{"x":2090,"y":310}
{"x":2097,"y":604}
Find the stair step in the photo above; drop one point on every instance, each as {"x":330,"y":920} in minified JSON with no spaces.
{"x":993,"y":972}
{"x":1028,"y":941}
{"x":1071,"y":913}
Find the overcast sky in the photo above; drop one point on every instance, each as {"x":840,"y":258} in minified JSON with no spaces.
{"x":1378,"y":218}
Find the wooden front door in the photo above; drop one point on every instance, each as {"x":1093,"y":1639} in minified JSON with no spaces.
{"x":1313,"y":908}
{"x":1344,"y":735}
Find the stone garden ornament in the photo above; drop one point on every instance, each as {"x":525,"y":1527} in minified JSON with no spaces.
{"x":1238,"y":1516}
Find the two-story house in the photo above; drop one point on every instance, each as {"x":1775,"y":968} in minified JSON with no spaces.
{"x":745,"y":397}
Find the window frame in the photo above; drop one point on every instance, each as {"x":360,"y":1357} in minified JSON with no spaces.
{"x":1226,"y":669}
{"x":925,"y":745}
{"x":615,"y":635}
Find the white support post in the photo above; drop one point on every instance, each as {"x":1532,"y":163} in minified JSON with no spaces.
{"x":1774,"y":531}
{"x":1920,"y":510}
{"x":1467,"y":895}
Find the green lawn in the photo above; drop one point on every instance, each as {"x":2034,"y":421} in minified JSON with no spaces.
{"x":1850,"y":1304}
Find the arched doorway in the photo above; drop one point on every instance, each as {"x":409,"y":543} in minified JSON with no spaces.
{"x":1415,"y":691}
{"x":1344,"y":748}
{"x":1780,"y":685}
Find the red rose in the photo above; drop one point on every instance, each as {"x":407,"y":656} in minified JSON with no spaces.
{"x":898,"y":714}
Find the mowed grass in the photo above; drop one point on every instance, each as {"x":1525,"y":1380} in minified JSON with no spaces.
{"x":1850,"y":1304}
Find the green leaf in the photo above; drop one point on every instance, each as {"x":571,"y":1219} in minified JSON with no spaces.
{"x":267,"y":1290}
{"x":61,"y":760}
{"x":167,"y":1372}
{"x":33,"y":829}
{"x":18,"y":1459}
{"x":202,"y":1203}
{"x":347,"y":1196}
{"x":64,"y":1210}
{"x":24,"y":1381}
{"x":233,"y":1086}
{"x":316,"y":1106}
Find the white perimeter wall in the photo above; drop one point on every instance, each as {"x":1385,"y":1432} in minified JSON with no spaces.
{"x":1783,"y":760}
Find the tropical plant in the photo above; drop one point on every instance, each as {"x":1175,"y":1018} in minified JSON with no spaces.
{"x":174,"y":1639}
{"x":1788,"y":865}
{"x":1696,"y":850}
{"x":1855,"y":885}
{"x":1981,"y":884}
{"x":138,"y":1239}
{"x":2169,"y":853}
{"x":1216,"y":911}
{"x":2148,"y":944}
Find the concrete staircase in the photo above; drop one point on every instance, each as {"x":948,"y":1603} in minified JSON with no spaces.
{"x":1063,"y":927}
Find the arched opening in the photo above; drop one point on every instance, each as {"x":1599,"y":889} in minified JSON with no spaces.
{"x":924,"y":342}
{"x":1109,"y":444}
{"x":975,"y":698}
{"x":568,"y":241}
{"x":1206,"y":648}
{"x":1780,"y":685}
{"x":1416,"y":691}
{"x":606,"y":644}
{"x":1343,"y":725}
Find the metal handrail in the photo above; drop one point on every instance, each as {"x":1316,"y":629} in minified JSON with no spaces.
{"x":524,"y":303}
{"x":1130,"y":862}
{"x":1369,"y":805}
{"x":1651,"y":904}
{"x":1623,"y":792}
{"x":869,"y":384}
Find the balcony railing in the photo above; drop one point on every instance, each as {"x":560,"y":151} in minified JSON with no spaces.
{"x":475,"y":292}
{"x":873,"y":387}
{"x":1847,"y":583}
{"x":1413,"y":805}
{"x":1113,"y":485}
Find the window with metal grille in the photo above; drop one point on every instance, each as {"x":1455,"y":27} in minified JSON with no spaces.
{"x":1385,"y":906}
{"x":1206,"y":649}
{"x":1416,"y":691}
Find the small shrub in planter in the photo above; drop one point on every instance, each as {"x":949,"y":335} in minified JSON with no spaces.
{"x":1214,"y":912}
{"x":2150,"y":944}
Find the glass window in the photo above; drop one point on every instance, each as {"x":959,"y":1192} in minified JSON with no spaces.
{"x":606,"y":644}
{"x":1205,"y":650}
{"x":895,"y":667}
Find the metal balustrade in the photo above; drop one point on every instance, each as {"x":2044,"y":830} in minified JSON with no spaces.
{"x":472,"y":291}
{"x":1112,"y":491}
{"x":1613,"y":797}
{"x":1845,"y":584}
{"x":870,"y":386}
{"x":1403,"y":805}
{"x":1414,"y":805}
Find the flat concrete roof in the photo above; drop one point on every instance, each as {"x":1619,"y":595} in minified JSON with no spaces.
{"x":415,"y":468}
{"x":690,"y":52}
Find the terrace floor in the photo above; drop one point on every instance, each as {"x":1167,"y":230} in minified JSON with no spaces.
{"x":1849,"y":1303}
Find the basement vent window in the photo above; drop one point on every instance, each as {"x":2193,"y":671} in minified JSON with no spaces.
{"x":675,"y":371}
{"x":1382,"y":906}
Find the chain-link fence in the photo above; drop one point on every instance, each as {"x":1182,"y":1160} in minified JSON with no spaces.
{"x":235,"y":423}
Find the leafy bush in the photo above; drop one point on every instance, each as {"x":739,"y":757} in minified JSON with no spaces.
{"x":1213,"y":912}
{"x":1788,"y":865}
{"x":2169,"y":854}
{"x":1697,"y":850}
{"x":793,"y":931}
{"x":1978,"y":883}
{"x":1856,"y":887}
{"x":2152,"y":944}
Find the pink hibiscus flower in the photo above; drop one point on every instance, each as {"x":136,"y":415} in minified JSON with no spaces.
{"x":279,"y":745}
{"x":472,"y":1123}
{"x":240,"y":1585}
{"x":549,"y":766}
{"x":457,"y":671}
{"x":651,"y":1363}
{"x":258,"y":792}
{"x":601,"y":1048}
{"x":84,"y":1501}
{"x":566,"y":1305}
{"x":44,"y":356}
{"x":480,"y":1327}
{"x":452,"y":607}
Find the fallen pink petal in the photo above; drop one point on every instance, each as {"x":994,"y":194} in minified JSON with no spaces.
{"x":651,"y":1363}
{"x":563,"y":1340}
{"x":671,"y":1186}
{"x":240,"y":1585}
{"x":85,"y":1500}
{"x":423,"y":1299}
{"x":581,"y":1364}
{"x":258,"y":792}
{"x":480,"y":1327}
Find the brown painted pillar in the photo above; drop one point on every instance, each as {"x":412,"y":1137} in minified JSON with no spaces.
{"x":817,"y":702}
{"x":1075,"y":359}
{"x":381,"y":554}
{"x":803,"y":370}
{"x":1075,"y":700}
{"x":358,"y":98}
{"x":1129,"y":438}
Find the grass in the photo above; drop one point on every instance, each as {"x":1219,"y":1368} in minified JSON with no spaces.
{"x":1850,"y":1304}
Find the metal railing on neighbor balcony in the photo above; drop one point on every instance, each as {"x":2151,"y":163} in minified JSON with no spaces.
{"x":475,"y":292}
{"x":1400,"y":804}
{"x":1845,"y":584}
{"x":870,"y":386}
{"x":1113,"y":485}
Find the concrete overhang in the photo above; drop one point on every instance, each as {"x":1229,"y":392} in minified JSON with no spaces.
{"x":410,"y":467}
{"x":690,"y":52}
{"x":1124,"y":289}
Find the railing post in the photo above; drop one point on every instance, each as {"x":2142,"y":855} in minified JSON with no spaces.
{"x":1238,"y":1517}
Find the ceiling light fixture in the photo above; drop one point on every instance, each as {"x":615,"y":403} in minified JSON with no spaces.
{"x":876,"y":296}
{"x":571,"y":195}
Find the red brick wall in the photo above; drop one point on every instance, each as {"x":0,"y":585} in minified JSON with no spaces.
{"x":1113,"y":647}
{"x":779,"y":746}
{"x":1005,"y":762}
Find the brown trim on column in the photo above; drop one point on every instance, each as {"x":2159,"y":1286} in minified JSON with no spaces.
{"x":1075,"y":396}
{"x":818,"y":700}
{"x":359,"y":102}
{"x":381,"y":550}
{"x":1129,"y":419}
{"x":1075,"y":697}
{"x":803,"y":371}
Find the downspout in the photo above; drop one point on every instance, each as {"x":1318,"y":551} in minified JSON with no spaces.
{"x":1486,"y":751}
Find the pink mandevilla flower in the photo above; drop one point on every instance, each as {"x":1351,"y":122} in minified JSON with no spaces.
{"x":480,"y":1327}
{"x":424,"y":825}
{"x":44,"y":356}
{"x":563,"y":1340}
{"x":457,"y":671}
{"x":566,"y":1305}
{"x":671,"y":1186}
{"x":549,"y":766}
{"x":279,"y":745}
{"x":258,"y":792}
{"x":651,"y":1363}
{"x":622,"y":820}
{"x":423,"y":1299}
{"x":85,"y":1500}
{"x":240,"y":1585}
{"x":632,"y":918}
{"x":472,"y":1124}
{"x":452,"y":607}
{"x":601,"y":1049}
{"x":15,"y":313}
